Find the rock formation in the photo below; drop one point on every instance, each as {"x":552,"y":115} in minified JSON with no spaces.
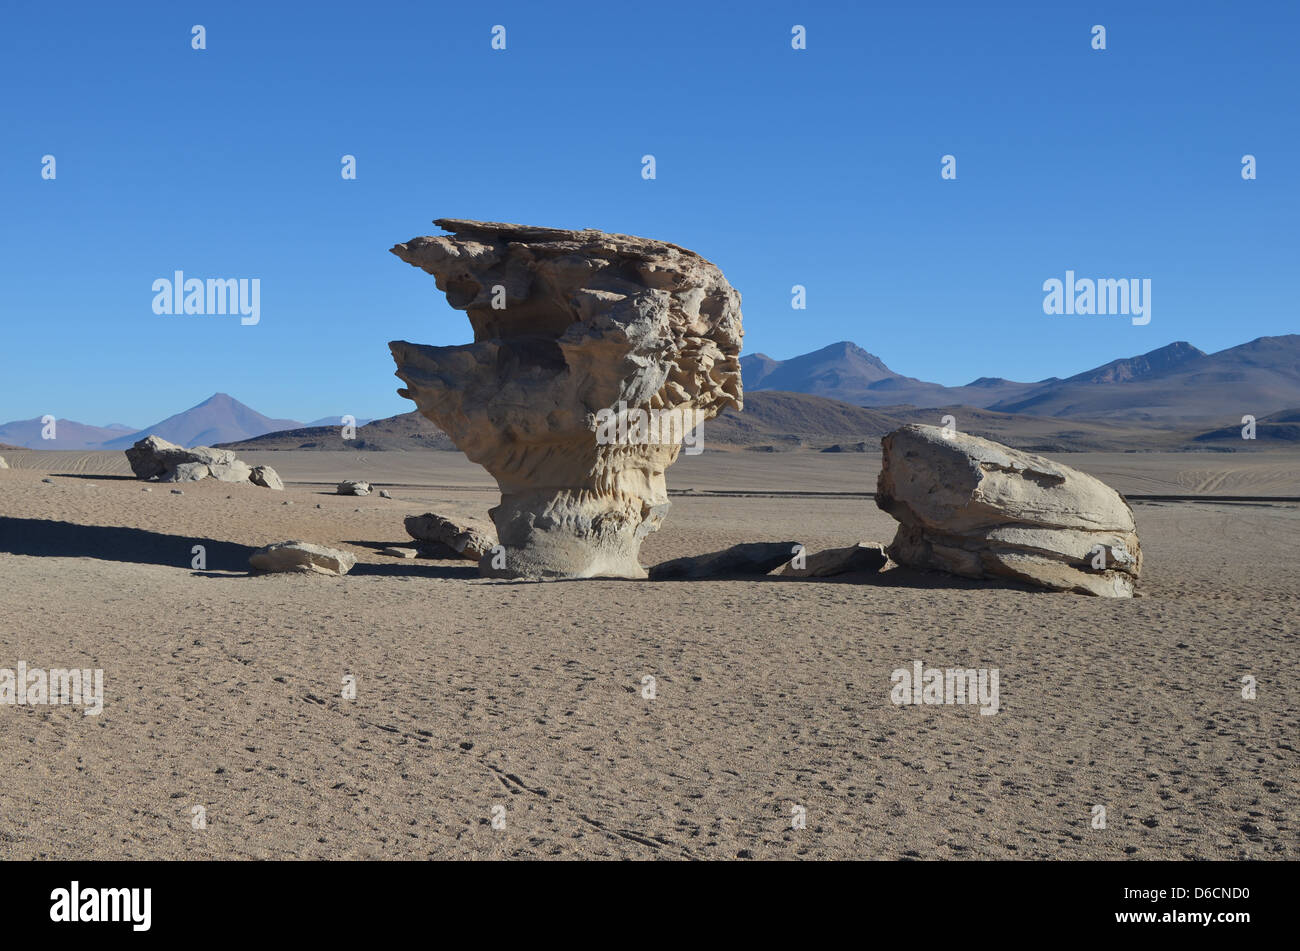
{"x":972,"y":507}
{"x":303,"y":558}
{"x":3,"y":464}
{"x":353,"y":487}
{"x":155,"y":458}
{"x":573,"y":330}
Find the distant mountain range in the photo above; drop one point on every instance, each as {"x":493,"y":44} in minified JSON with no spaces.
{"x":219,"y":418}
{"x":842,"y":396}
{"x":1176,"y":382}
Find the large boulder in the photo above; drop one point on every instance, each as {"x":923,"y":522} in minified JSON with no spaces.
{"x":3,"y":464}
{"x":155,"y":458}
{"x":353,"y":487}
{"x":467,"y":540}
{"x":973,"y":507}
{"x":302,"y":558}
{"x":591,"y":352}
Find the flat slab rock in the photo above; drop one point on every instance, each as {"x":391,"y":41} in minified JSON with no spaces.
{"x":864,"y":556}
{"x":752,"y":558}
{"x":975,"y":508}
{"x":455,"y":539}
{"x":302,"y":558}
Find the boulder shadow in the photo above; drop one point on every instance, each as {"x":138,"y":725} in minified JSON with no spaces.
{"x":93,"y":477}
{"x":896,"y":577}
{"x":391,"y":567}
{"x":48,"y":538}
{"x":410,"y":568}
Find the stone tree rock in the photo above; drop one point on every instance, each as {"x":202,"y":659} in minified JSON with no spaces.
{"x":973,"y":507}
{"x":569,"y":328}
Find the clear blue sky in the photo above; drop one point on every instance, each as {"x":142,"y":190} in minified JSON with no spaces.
{"x":816,"y":167}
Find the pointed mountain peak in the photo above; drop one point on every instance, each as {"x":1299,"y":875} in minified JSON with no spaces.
{"x":1154,"y":363}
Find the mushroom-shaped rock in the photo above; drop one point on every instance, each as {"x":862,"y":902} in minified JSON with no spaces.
{"x":973,"y":507}
{"x":593,"y":353}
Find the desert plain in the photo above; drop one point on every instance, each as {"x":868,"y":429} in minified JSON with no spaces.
{"x":499,"y":719}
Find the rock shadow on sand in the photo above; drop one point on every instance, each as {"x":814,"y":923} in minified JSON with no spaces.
{"x":47,"y":538}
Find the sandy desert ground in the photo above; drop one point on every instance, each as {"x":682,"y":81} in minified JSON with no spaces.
{"x":222,"y":689}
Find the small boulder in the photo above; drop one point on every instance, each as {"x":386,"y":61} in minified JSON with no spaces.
{"x":266,"y":477}
{"x":468,"y":540}
{"x":400,"y":552}
{"x":302,"y":557}
{"x":3,"y":464}
{"x":353,"y":487}
{"x":864,"y":556}
{"x":754,"y":558}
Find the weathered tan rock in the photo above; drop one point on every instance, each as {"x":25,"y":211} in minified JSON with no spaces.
{"x":266,"y":477}
{"x":467,"y":539}
{"x":155,"y":458}
{"x":568,"y":324}
{"x":864,"y":556}
{"x":973,"y":507}
{"x":302,"y":557}
{"x":3,"y":464}
{"x":353,"y":487}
